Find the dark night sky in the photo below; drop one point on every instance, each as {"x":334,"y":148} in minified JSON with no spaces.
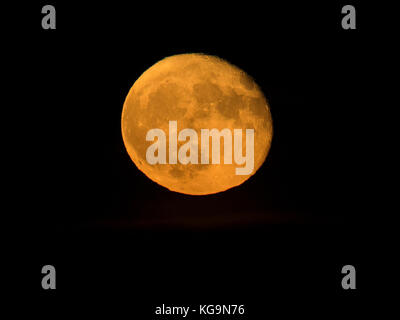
{"x":312,"y":72}
{"x":107,"y":226}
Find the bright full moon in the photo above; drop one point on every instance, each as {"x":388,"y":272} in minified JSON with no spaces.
{"x":195,"y":91}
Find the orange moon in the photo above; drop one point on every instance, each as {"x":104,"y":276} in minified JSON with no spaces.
{"x":199,"y":92}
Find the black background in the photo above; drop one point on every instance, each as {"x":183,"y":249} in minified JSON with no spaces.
{"x":123,"y":245}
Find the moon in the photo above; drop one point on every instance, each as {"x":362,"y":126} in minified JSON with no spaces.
{"x":200,"y":92}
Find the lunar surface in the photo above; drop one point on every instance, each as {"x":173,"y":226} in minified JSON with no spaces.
{"x":199,"y":92}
